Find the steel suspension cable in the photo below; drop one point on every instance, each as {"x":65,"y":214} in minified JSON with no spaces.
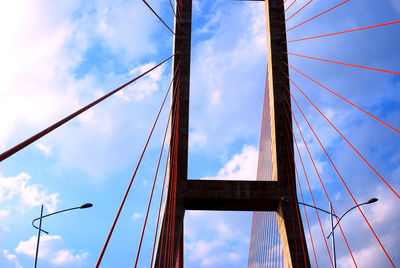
{"x":297,"y":11}
{"x":341,"y":97}
{"x":342,"y":32}
{"x":131,"y":181}
{"x":292,"y":191}
{"x":316,"y":170}
{"x":155,"y":13}
{"x":155,"y":177}
{"x":159,"y":211}
{"x":165,"y":175}
{"x":322,"y":184}
{"x":344,"y":237}
{"x":305,"y":213}
{"x":289,"y":6}
{"x":268,"y":252}
{"x":326,"y":11}
{"x":354,"y":200}
{"x":46,"y":131}
{"x":342,"y":63}
{"x":296,"y":175}
{"x":347,"y":141}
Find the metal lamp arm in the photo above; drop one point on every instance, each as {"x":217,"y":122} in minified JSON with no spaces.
{"x":320,"y":209}
{"x":33,"y":222}
{"x":341,"y":217}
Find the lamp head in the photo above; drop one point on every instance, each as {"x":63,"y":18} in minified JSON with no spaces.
{"x":87,"y":205}
{"x":372,"y":200}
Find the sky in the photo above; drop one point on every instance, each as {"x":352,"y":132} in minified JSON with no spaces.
{"x":57,"y":56}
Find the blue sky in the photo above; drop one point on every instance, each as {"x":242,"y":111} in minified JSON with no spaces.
{"x":59,"y":55}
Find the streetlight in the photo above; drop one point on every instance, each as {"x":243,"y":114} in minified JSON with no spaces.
{"x":372,"y":200}
{"x":87,"y":205}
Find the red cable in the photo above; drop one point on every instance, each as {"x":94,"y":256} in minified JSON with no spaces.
{"x":293,"y":190}
{"x":289,"y":6}
{"x":312,"y":196}
{"x":271,"y":257}
{"x":326,"y":244}
{"x":376,"y":237}
{"x":159,"y":212}
{"x":294,"y":186}
{"x":274,"y":241}
{"x":46,"y":131}
{"x":172,"y":7}
{"x":155,"y":13}
{"x":323,"y":186}
{"x":347,"y":31}
{"x":250,"y":258}
{"x":316,"y":16}
{"x":305,"y":212}
{"x":168,"y":200}
{"x":297,"y":11}
{"x":155,"y":177}
{"x":174,"y":179}
{"x":337,"y":95}
{"x":256,"y":238}
{"x":264,"y":234}
{"x":269,"y":239}
{"x":355,"y":150}
{"x":326,"y":194}
{"x":130,"y":183}
{"x":163,"y":187}
{"x":319,"y":177}
{"x":347,"y":64}
{"x":151,"y":197}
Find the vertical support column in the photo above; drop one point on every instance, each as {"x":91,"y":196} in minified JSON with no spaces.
{"x":178,"y":160}
{"x":289,"y":218}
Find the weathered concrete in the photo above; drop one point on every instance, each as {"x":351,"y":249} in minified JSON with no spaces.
{"x":232,"y":195}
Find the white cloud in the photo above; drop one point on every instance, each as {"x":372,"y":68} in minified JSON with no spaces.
{"x":45,"y":46}
{"x":67,"y":257}
{"x":120,"y":24}
{"x":136,"y":216}
{"x":4,"y":212}
{"x":197,"y":139}
{"x":215,"y":97}
{"x":145,"y":86}
{"x":45,"y":149}
{"x":51,"y":250}
{"x":25,"y":194}
{"x":242,"y":166}
{"x":34,"y":65}
{"x":11,"y":258}
{"x":223,"y":104}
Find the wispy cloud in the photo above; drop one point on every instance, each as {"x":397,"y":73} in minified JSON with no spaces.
{"x":25,"y":194}
{"x":50,"y":250}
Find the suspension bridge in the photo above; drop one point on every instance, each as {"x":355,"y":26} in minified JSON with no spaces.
{"x":281,"y":235}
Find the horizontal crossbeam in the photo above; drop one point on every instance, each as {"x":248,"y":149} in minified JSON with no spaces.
{"x":232,"y":195}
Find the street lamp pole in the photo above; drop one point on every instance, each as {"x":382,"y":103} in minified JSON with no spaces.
{"x":87,"y":205}
{"x":38,"y":237}
{"x":330,"y":212}
{"x":333,"y":236}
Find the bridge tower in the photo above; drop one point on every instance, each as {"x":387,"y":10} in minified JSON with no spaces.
{"x":260,"y":195}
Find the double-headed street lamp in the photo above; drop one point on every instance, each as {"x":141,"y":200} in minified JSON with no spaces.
{"x":87,"y":205}
{"x":332,"y":233}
